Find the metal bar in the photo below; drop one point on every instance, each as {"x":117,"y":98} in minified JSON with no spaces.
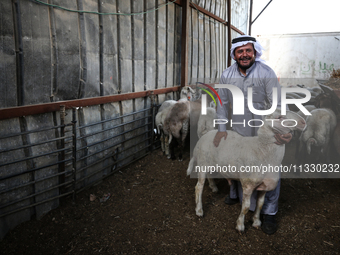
{"x":122,"y":133}
{"x":87,"y":156}
{"x":153,"y":105}
{"x":261,"y":12}
{"x":250,"y":16}
{"x":102,"y":131}
{"x":35,"y":204}
{"x":132,"y":154}
{"x":31,"y":131}
{"x":229,"y":30}
{"x":116,"y":118}
{"x":19,"y":54}
{"x":215,"y":17}
{"x":13,"y":112}
{"x":74,"y":148}
{"x":185,"y":42}
{"x":32,"y":182}
{"x":31,"y":170}
{"x":109,"y":156}
{"x":96,"y":172}
{"x":32,"y":157}
{"x":33,"y":144}
{"x":61,"y":156}
{"x":34,"y":195}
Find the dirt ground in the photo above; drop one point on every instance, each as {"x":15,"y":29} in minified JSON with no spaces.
{"x":152,"y":211}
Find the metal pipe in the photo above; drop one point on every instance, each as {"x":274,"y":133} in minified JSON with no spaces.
{"x":116,"y":118}
{"x":250,"y":16}
{"x":61,"y":156}
{"x":96,"y":172}
{"x":34,"y":195}
{"x":109,"y":156}
{"x":13,"y":112}
{"x":32,"y":131}
{"x":227,"y":23}
{"x":184,"y":42}
{"x":261,"y":12}
{"x":33,"y":144}
{"x":32,"y":157}
{"x":35,"y":204}
{"x":74,"y":148}
{"x":32,"y":182}
{"x":102,"y":131}
{"x":89,"y":155}
{"x":31,"y":170}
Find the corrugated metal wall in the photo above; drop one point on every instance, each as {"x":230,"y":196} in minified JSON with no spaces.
{"x":48,"y":55}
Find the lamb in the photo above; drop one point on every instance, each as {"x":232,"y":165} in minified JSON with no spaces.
{"x":176,"y":124}
{"x":185,"y":95}
{"x":238,"y":151}
{"x":188,"y":93}
{"x":321,"y":125}
{"x":159,"y":120}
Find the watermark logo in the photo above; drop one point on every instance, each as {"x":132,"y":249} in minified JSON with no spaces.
{"x":238,"y":100}
{"x":204,"y":97}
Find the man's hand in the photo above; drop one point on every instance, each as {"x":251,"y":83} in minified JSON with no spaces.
{"x":219,"y":136}
{"x":283,"y":139}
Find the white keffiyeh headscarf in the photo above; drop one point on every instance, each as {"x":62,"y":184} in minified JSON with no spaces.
{"x":243,"y":40}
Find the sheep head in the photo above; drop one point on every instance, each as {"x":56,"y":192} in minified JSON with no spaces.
{"x":187,"y":93}
{"x":178,"y":114}
{"x":283,"y":124}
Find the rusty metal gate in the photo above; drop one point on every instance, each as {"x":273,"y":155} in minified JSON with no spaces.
{"x":45,"y":163}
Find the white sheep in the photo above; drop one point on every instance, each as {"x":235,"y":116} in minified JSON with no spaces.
{"x":206,"y":122}
{"x":308,"y":108}
{"x":187,"y":94}
{"x":237,"y":152}
{"x":181,"y":116}
{"x":320,"y":127}
{"x":159,"y":120}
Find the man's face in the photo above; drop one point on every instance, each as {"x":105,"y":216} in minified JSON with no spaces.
{"x":245,"y":56}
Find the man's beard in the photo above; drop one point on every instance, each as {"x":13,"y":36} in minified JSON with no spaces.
{"x":245,"y":67}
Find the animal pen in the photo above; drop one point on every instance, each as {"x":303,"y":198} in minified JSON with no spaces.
{"x":81,"y":81}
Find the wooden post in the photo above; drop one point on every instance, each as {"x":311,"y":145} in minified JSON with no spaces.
{"x":184,"y":49}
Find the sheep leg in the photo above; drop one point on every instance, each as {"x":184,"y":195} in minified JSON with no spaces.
{"x":245,"y":208}
{"x":171,"y":147}
{"x":184,"y":131}
{"x":198,"y":194}
{"x":180,"y":156}
{"x":212,"y":185}
{"x":163,"y":142}
{"x":259,"y":203}
{"x":166,"y":145}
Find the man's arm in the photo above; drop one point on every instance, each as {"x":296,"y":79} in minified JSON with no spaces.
{"x":272,"y":82}
{"x":218,"y":137}
{"x":222,"y":113}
